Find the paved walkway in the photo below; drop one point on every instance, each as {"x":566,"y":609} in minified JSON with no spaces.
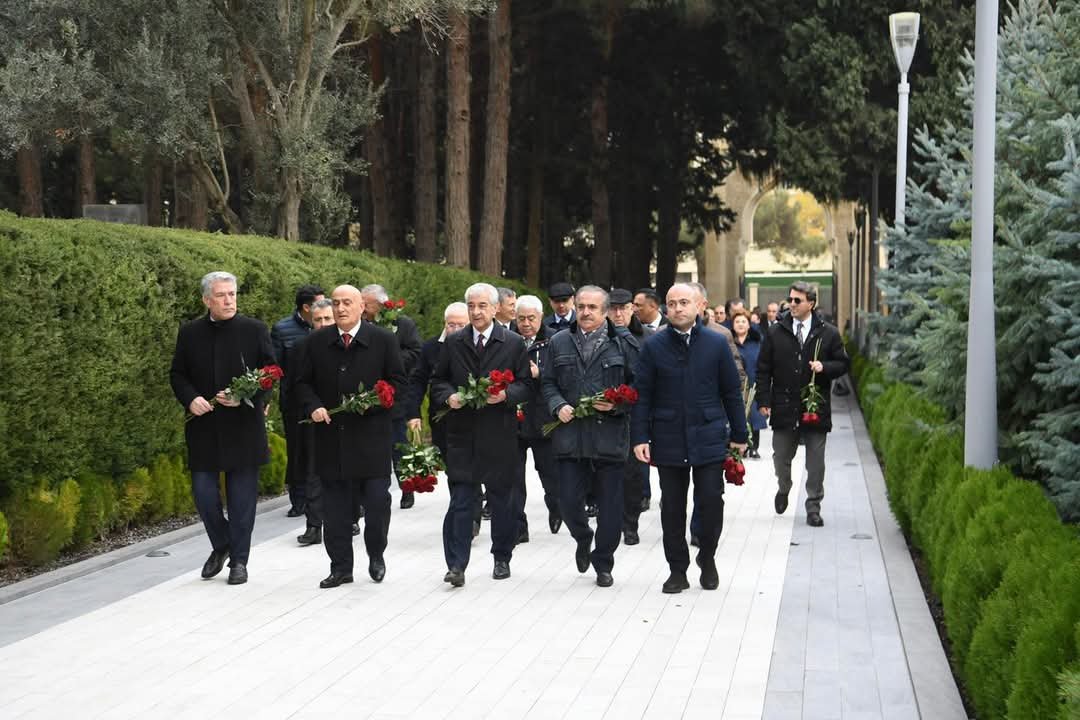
{"x":807,"y":623}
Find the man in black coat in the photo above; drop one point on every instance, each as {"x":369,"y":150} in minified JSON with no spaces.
{"x":408,"y":338}
{"x":561,"y":299}
{"x":284,"y":335}
{"x":227,"y":435}
{"x":481,"y":445}
{"x":535,"y":414}
{"x":590,"y":357}
{"x":799,"y":345}
{"x":689,"y":414}
{"x":455,"y":317}
{"x":352,"y":451}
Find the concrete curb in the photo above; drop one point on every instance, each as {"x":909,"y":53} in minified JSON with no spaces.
{"x":82,"y":568}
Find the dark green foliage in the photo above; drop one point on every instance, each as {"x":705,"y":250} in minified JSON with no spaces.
{"x":134,"y":492}
{"x":160,"y":500}
{"x":97,"y":508}
{"x":1070,"y":693}
{"x":942,"y":453}
{"x":272,"y":475}
{"x":42,"y":521}
{"x":3,"y":535}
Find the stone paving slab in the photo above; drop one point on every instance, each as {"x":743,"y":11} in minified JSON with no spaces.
{"x":803,"y":625}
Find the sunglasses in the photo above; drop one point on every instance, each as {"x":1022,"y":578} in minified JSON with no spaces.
{"x":796,"y":301}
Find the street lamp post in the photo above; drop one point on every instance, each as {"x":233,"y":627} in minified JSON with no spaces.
{"x":851,"y":280}
{"x":904,"y":33}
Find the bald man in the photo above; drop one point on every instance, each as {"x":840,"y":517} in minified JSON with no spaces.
{"x":352,"y":451}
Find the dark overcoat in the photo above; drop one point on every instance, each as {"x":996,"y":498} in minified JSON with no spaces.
{"x":208,"y":356}
{"x":285,"y":334}
{"x":750,"y":350}
{"x":690,"y":398}
{"x":408,"y":338}
{"x":419,"y":382}
{"x":352,"y":445}
{"x":481,"y":444}
{"x":568,"y":378}
{"x":536,"y":410}
{"x":783,"y":369}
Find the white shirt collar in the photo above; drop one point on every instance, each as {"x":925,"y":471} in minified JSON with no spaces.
{"x":352,"y":333}
{"x":486,"y":333}
{"x":806,"y":325}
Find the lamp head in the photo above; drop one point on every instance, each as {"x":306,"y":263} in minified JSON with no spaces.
{"x":904,"y":33}
{"x":860,"y":217}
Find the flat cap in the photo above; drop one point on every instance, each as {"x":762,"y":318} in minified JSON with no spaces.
{"x":620,"y":296}
{"x":560,"y":290}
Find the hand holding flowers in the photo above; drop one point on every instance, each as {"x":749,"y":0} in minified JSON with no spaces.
{"x":604,"y":401}
{"x":244,"y":387}
{"x":479,"y":392}
{"x":361,"y":401}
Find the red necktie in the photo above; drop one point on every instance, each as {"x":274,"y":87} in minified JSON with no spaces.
{"x":346,"y":338}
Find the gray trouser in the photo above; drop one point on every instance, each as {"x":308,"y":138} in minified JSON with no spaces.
{"x":784,"y":444}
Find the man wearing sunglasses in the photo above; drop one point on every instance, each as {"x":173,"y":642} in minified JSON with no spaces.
{"x":802,"y":349}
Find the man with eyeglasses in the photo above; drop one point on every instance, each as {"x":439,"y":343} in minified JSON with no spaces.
{"x":802,"y":348}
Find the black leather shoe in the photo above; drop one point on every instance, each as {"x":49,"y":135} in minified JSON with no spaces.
{"x":334,"y":579}
{"x":813,"y":519}
{"x":501,"y":571}
{"x":376,"y":568}
{"x":355,"y":529}
{"x":408,"y":499}
{"x":780,"y":503}
{"x":591,"y":511}
{"x":694,"y":541}
{"x":295,"y":511}
{"x":313,"y":536}
{"x":455,"y":577}
{"x":710,"y":578}
{"x":475,"y":528}
{"x":645,"y":504}
{"x":523,"y":537}
{"x":581,"y":555}
{"x":554,"y":522}
{"x":630,"y":537}
{"x":485,"y":511}
{"x":676,"y":583}
{"x":604,"y":579}
{"x":214,"y":563}
{"x":238,"y":574}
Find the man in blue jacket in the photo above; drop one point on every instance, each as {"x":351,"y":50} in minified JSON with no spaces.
{"x":689,"y":413}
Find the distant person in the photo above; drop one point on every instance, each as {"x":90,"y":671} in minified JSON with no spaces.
{"x":505,"y":314}
{"x":647,"y":308}
{"x":561,"y":299}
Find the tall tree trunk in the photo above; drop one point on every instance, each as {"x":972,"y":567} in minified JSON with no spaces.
{"x":426,"y":167}
{"x":458,"y":225}
{"x":190,"y":194}
{"x":497,"y":142}
{"x":536,"y":215}
{"x":28,"y":164}
{"x":288,"y":216}
{"x":598,"y":171}
{"x":669,"y":223}
{"x":152,"y":187}
{"x":85,"y":175}
{"x":377,"y":157}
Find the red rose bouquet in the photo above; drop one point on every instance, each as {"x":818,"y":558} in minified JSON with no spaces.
{"x":734,"y":470}
{"x":419,"y":465}
{"x":382,"y":395}
{"x":620,"y":395}
{"x":388,"y":314}
{"x":811,"y":396}
{"x":246,"y":386}
{"x":476,"y":391}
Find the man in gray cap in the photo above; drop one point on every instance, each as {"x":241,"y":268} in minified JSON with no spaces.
{"x":561,"y":297}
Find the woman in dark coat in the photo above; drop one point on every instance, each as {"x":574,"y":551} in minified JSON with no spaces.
{"x":749,"y":341}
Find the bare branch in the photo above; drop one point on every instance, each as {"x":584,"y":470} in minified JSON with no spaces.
{"x":221,"y":151}
{"x":342,"y":46}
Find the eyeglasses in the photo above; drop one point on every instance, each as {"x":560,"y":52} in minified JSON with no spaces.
{"x":796,"y":301}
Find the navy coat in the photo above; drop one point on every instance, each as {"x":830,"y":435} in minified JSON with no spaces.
{"x":750,"y":350}
{"x":536,"y":410}
{"x":419,"y":384}
{"x":690,"y":398}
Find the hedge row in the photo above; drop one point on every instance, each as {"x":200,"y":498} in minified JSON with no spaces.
{"x":88,"y":319}
{"x":1005,"y":567}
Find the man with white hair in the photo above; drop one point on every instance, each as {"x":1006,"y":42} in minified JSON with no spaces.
{"x":408,"y":337}
{"x":481,"y":444}
{"x":228,"y":436}
{"x":455,"y":317}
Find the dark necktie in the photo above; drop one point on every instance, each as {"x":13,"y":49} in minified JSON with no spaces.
{"x":480,"y":343}
{"x":346,"y":338}
{"x":799,"y":335}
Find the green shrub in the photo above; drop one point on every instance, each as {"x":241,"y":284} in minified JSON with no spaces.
{"x":117,"y":294}
{"x":942,"y":456}
{"x":160,"y":497}
{"x":972,"y":492}
{"x":873,"y":385}
{"x":183,"y":500}
{"x":3,"y":535}
{"x":1069,"y":683}
{"x":42,"y":521}
{"x":272,"y":475}
{"x":134,"y":492}
{"x":97,"y":508}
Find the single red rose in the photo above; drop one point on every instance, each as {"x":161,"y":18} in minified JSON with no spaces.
{"x":611,"y":395}
{"x":521,"y":416}
{"x":273,"y":371}
{"x":628,"y":394}
{"x":407,"y":485}
{"x":389,"y":304}
{"x":399,"y":304}
{"x":266,"y":382}
{"x":495,"y":389}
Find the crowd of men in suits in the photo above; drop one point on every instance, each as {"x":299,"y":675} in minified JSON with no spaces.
{"x":689,"y":417}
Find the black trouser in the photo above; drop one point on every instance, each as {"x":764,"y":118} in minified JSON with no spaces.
{"x":635,"y":476}
{"x":315,"y":502}
{"x":708,"y":505}
{"x":457,"y":525}
{"x":298,"y":444}
{"x":399,"y":434}
{"x":575,"y":476}
{"x":546,"y":468}
{"x":340,"y":495}
{"x":241,"y":494}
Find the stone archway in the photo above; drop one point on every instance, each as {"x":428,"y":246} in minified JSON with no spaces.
{"x":724,"y":254}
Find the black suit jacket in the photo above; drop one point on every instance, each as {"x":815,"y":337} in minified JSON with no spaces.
{"x":419,"y":382}
{"x":351,"y":446}
{"x":481,"y":444}
{"x":408,"y":337}
{"x":207,"y":357}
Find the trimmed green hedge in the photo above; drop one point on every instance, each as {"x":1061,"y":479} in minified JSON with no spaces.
{"x":1005,"y":567}
{"x":3,"y":535}
{"x":88,"y":319}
